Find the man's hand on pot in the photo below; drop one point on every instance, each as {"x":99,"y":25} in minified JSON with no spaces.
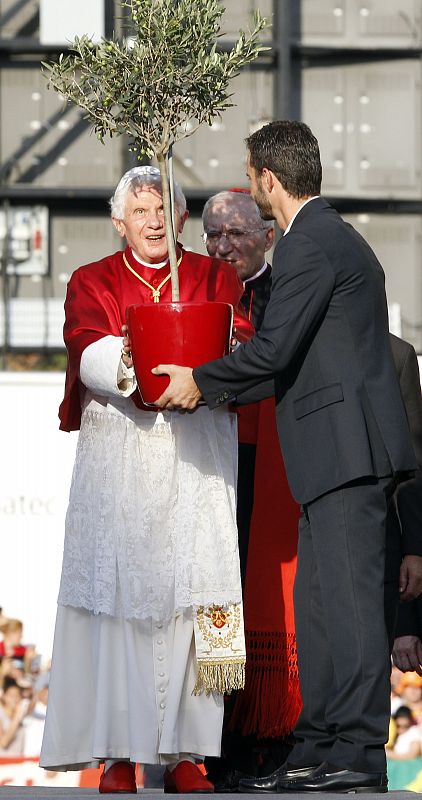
{"x":182,"y":391}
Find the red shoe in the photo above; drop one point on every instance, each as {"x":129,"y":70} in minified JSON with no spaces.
{"x":186,"y":778}
{"x":119,"y":779}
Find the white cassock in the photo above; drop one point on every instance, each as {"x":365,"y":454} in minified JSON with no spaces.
{"x":150,"y":537}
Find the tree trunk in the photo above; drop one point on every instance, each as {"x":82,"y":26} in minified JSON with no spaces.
{"x":168,"y":222}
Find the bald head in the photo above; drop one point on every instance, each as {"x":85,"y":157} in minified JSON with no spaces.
{"x":236,"y":232}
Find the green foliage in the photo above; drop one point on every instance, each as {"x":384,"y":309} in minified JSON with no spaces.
{"x":151,"y":85}
{"x":169,"y":73}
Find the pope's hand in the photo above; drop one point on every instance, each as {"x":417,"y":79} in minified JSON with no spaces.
{"x":126,"y":351}
{"x":182,"y":391}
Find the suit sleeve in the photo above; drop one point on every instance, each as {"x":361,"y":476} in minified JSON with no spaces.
{"x":262,"y":391}
{"x":303,"y":282}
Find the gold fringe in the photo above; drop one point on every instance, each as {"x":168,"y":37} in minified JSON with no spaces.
{"x":220,"y":676}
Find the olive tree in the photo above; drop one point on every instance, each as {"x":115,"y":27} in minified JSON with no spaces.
{"x":159,"y":84}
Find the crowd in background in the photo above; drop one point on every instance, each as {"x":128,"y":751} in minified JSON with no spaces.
{"x":405,"y":742}
{"x":24,"y":681}
{"x":24,"y":677}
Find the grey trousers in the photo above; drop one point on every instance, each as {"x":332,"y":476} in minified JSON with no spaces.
{"x":343,"y":652}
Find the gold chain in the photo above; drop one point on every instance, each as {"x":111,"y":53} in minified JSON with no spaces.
{"x":156,"y":291}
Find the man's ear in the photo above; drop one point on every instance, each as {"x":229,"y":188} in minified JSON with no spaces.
{"x":182,"y":221}
{"x":119,"y":225}
{"x":267,"y":178}
{"x":269,"y":238}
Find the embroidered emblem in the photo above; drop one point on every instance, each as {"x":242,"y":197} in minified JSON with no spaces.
{"x":220,"y":648}
{"x":214,"y":619}
{"x":218,"y":616}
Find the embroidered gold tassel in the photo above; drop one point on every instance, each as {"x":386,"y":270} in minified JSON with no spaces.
{"x":219,"y":676}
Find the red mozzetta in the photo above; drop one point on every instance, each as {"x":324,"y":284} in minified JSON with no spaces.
{"x":99,"y":293}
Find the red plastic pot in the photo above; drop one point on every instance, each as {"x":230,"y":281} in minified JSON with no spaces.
{"x":188,"y":334}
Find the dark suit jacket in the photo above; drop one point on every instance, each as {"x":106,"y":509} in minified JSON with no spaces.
{"x":324,"y":350}
{"x":407,"y":368}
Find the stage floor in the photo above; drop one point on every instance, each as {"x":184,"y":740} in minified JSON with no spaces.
{"x":60,"y":793}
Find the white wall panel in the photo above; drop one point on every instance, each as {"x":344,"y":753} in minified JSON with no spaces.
{"x":361,"y":23}
{"x":35,"y":474}
{"x":217,"y":156}
{"x":368,"y":121}
{"x":25,"y":106}
{"x":61,"y":20}
{"x":79,"y":240}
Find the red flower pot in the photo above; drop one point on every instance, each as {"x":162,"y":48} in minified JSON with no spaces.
{"x":188,"y":334}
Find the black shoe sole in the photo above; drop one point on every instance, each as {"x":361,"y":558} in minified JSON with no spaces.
{"x":363,"y":790}
{"x":352,"y":790}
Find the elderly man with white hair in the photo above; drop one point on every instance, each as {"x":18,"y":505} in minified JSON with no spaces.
{"x":235,"y":232}
{"x":151,"y":540}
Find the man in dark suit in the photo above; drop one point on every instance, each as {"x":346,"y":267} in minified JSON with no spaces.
{"x":407,"y":650}
{"x":324,"y":351}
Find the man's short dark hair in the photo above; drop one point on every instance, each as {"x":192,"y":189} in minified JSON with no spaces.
{"x":290,"y":150}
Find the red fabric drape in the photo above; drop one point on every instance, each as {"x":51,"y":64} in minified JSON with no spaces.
{"x":270,"y":703}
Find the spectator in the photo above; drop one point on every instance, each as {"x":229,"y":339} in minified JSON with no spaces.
{"x":13,"y":709}
{"x":11,"y":646}
{"x":407,"y":741}
{"x":34,"y":723}
{"x":409,"y":692}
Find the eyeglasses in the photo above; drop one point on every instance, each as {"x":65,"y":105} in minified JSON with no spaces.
{"x":234,"y":236}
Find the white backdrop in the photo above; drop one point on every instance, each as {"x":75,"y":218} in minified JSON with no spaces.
{"x":35,"y":471}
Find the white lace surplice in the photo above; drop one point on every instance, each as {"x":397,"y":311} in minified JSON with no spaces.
{"x":151,"y":523}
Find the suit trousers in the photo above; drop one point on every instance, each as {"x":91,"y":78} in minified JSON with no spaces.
{"x":342,"y":641}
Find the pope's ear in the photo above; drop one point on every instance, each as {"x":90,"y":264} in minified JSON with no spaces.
{"x":119,"y":225}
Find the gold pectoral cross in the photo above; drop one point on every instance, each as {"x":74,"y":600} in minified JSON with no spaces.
{"x":156,"y":292}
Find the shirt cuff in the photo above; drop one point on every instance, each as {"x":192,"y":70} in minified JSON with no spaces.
{"x":102,"y":370}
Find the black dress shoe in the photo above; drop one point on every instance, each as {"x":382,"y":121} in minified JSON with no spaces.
{"x":271,"y":782}
{"x":228,"y":782}
{"x":328,"y":778}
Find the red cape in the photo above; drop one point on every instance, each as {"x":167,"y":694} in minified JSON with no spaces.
{"x":99,"y":293}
